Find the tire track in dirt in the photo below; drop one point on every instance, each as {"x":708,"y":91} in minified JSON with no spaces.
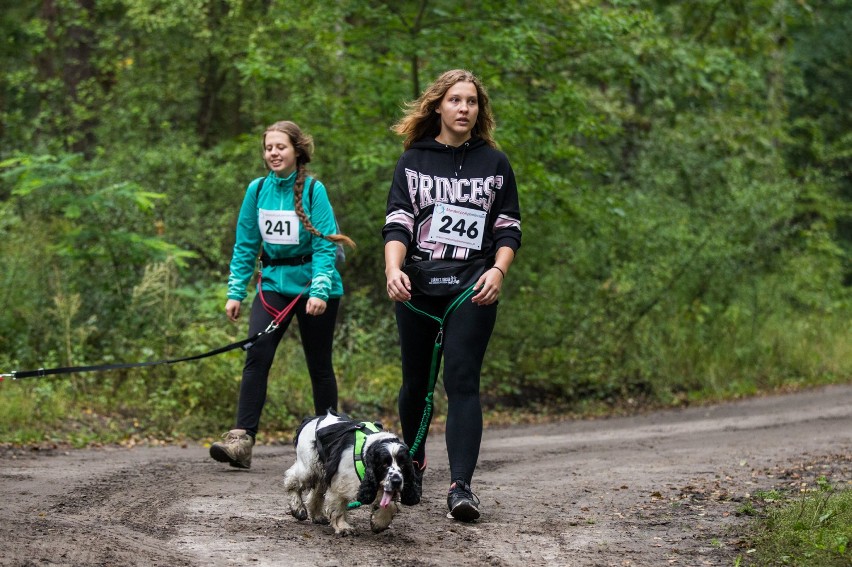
{"x":115,"y":518}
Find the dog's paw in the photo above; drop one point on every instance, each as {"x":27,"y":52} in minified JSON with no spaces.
{"x":409,"y":498}
{"x":381,"y":518}
{"x":322,"y":520}
{"x":347,"y":531}
{"x":301,"y":514}
{"x":378,"y":528}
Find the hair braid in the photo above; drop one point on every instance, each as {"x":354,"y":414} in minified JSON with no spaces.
{"x":304,"y":146}
{"x":298,"y":197}
{"x":298,"y":194}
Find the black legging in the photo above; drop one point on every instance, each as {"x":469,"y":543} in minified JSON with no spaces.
{"x":317,"y":332}
{"x":466,"y":335}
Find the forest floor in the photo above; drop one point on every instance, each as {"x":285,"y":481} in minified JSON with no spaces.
{"x":662,"y":488}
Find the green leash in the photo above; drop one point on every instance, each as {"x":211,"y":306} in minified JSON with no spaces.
{"x":433,"y":371}
{"x":436,"y":362}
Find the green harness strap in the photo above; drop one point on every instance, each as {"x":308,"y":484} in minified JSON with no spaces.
{"x":436,"y":361}
{"x":357,"y":453}
{"x":360,"y":440}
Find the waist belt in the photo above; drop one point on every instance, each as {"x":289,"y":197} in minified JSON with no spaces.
{"x":291,"y":261}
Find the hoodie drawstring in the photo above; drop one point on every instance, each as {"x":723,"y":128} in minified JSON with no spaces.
{"x":460,"y":165}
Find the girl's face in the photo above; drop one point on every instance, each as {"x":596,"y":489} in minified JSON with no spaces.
{"x":279,"y":153}
{"x":458,"y":109}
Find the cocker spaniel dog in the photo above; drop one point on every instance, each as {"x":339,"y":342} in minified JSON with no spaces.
{"x":340,"y":461}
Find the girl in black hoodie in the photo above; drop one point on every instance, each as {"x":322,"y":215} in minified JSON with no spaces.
{"x":452,"y":209}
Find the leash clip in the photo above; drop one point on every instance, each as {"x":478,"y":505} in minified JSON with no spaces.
{"x":272,"y":327}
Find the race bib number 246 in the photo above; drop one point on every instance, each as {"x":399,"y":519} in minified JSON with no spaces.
{"x":457,"y":226}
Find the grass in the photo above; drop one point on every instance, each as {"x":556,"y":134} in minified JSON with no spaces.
{"x":811,"y":530}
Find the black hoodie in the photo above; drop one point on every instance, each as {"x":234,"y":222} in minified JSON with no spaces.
{"x":473,"y":176}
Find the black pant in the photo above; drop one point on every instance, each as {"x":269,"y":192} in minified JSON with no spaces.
{"x":466,"y":334}
{"x":317,"y":332}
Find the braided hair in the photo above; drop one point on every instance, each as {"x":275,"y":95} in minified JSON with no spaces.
{"x":303,"y":144}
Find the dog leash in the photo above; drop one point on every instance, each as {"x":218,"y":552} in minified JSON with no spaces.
{"x":433,"y":371}
{"x":277,"y":316}
{"x":244,"y":344}
{"x":436,"y":361}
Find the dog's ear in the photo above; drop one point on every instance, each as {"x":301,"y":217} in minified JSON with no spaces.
{"x":369,"y":487}
{"x":409,"y":496}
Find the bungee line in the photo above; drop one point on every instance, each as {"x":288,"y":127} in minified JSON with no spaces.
{"x":433,"y":372}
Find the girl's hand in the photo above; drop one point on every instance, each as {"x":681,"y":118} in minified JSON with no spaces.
{"x":315,"y":306}
{"x":399,"y":286}
{"x":232,"y":309}
{"x":488,"y":287}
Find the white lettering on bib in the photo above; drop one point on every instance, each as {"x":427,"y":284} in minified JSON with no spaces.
{"x":278,"y":227}
{"x":457,"y":226}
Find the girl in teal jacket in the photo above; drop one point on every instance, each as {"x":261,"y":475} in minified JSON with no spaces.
{"x":286,"y":219}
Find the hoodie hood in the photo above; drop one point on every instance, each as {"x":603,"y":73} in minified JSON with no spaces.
{"x":455,"y":155}
{"x":473,"y":176}
{"x":433,"y":144}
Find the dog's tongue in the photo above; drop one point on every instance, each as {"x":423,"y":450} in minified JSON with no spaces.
{"x":386,"y":499}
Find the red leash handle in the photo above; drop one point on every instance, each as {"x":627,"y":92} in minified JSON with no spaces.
{"x":277,"y":316}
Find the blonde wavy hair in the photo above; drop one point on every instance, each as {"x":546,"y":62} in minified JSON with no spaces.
{"x":303,"y":144}
{"x":421,"y":120}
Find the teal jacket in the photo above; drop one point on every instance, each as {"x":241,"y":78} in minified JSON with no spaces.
{"x":320,"y":272}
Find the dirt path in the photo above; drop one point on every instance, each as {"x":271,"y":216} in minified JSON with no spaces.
{"x":659,"y":489}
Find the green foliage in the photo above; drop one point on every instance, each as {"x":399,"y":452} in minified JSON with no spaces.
{"x":814,"y":529}
{"x":683,"y":169}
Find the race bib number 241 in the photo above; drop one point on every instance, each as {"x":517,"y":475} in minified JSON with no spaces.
{"x":278,"y":227}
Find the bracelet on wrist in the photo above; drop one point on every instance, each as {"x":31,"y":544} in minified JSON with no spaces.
{"x":500,"y":270}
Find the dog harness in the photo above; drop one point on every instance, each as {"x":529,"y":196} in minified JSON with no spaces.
{"x":365,"y":428}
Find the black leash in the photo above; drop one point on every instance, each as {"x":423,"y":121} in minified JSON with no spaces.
{"x":244,"y":344}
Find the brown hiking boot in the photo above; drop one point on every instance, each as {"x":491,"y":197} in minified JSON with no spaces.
{"x":235,"y":449}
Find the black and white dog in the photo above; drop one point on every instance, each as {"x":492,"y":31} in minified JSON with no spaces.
{"x":340,"y":461}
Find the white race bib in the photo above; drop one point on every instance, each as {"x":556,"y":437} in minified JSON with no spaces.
{"x":278,"y":227}
{"x":457,"y":226}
